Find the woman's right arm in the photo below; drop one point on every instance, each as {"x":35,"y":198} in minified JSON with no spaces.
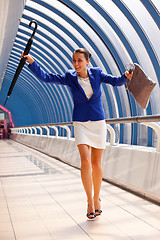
{"x":42,"y":75}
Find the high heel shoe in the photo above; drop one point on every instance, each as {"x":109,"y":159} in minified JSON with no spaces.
{"x":98,"y":211}
{"x":91,"y":215}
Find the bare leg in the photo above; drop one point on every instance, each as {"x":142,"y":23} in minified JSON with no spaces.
{"x":86,"y":174}
{"x":96,"y":157}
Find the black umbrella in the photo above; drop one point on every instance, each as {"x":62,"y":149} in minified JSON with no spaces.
{"x":22,"y":61}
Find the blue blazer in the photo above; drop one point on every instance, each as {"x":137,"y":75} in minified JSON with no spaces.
{"x":84,"y":109}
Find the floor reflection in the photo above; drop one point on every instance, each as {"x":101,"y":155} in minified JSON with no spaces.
{"x":45,"y":167}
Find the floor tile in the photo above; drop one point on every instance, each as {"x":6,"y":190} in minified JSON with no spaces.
{"x":8,"y":235}
{"x":43,"y":199}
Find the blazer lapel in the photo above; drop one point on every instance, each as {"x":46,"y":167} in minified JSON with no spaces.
{"x":92,"y":81}
{"x":77,"y":83}
{"x":91,"y":78}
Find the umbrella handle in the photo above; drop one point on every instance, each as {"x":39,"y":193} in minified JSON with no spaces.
{"x":35,"y":28}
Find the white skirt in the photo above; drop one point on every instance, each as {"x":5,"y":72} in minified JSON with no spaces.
{"x":91,"y":133}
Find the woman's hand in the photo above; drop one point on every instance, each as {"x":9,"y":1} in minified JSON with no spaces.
{"x":128,"y":75}
{"x":28,"y":58}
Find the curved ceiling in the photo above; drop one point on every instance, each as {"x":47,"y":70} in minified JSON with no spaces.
{"x":115,"y":32}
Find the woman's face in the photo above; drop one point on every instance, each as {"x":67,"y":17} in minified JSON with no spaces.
{"x":79,"y":62}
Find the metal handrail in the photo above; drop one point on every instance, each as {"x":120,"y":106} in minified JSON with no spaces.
{"x":137,"y":119}
{"x":149,"y":121}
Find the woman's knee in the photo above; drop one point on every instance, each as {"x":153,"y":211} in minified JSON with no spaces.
{"x":96,"y":158}
{"x":85,"y":161}
{"x":96,"y":164}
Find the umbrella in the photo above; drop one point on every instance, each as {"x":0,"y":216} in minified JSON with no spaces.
{"x":22,"y":61}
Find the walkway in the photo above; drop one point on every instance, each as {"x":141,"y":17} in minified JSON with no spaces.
{"x":43,"y":199}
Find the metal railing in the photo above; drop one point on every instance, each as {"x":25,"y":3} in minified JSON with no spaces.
{"x":149,"y":121}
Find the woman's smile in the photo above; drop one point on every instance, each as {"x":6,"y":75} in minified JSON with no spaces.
{"x":77,"y":68}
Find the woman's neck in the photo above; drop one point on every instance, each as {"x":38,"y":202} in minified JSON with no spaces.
{"x":83,"y":74}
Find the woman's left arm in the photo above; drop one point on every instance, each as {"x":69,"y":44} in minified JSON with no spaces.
{"x":116,"y":81}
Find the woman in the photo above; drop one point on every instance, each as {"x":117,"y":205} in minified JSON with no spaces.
{"x":88,"y":117}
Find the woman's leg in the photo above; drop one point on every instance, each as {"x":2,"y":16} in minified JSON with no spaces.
{"x":86,"y":174}
{"x":96,"y":157}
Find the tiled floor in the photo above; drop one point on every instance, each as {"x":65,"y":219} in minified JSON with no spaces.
{"x":43,"y":199}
